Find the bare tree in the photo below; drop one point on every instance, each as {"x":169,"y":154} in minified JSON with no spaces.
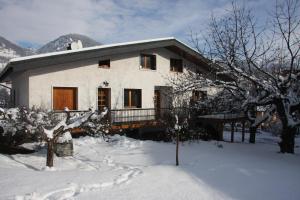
{"x":247,"y":55}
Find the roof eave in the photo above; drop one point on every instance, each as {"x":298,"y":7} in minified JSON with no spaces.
{"x":6,"y":72}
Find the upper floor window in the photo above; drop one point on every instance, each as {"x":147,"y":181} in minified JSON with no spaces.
{"x":176,"y":65}
{"x":148,"y":61}
{"x":104,"y":63}
{"x":132,"y":98}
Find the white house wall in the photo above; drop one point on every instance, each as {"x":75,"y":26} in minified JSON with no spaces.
{"x":20,"y":85}
{"x":124,"y":72}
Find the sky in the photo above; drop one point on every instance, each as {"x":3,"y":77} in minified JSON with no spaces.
{"x":32,"y":23}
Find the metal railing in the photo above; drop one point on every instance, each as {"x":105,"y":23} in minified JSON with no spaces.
{"x":116,"y":116}
{"x":144,"y":114}
{"x":60,"y":114}
{"x":132,"y":115}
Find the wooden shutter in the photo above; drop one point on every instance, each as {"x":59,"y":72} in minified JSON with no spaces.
{"x":64,"y":97}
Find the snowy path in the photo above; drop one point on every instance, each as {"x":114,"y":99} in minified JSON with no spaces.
{"x":73,"y":189}
{"x":99,"y":162}
{"x":132,"y":169}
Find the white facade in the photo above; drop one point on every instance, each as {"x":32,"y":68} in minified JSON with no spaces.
{"x":34,"y":87}
{"x":35,"y":77}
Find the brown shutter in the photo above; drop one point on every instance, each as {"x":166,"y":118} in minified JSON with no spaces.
{"x":64,"y":97}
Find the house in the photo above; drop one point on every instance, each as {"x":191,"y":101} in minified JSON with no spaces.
{"x":131,"y":77}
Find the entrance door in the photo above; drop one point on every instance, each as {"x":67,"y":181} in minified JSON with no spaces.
{"x":103,"y":98}
{"x":157,"y":99}
{"x":64,"y":97}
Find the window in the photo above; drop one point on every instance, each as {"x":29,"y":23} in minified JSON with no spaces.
{"x":176,"y":65}
{"x":132,"y":98}
{"x":104,"y":63}
{"x":198,"y":95}
{"x":103,"y":98}
{"x":64,"y":97}
{"x":148,"y":61}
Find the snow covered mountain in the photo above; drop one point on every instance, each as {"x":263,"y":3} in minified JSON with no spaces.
{"x":10,"y":50}
{"x":61,"y":43}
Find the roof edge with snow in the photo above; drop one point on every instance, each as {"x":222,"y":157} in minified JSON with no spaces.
{"x":22,"y":63}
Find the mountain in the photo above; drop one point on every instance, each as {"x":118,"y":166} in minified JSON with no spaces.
{"x":61,"y":43}
{"x":10,"y":50}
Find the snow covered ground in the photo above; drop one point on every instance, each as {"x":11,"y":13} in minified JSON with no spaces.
{"x":132,"y":169}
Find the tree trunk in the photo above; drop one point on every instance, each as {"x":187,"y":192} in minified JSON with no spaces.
{"x":288,"y":133}
{"x":243,"y":132}
{"x":287,"y":140}
{"x":252,"y":131}
{"x":232,"y":132}
{"x":50,"y":153}
{"x":177,"y":146}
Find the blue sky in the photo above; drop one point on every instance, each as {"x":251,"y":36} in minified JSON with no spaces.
{"x":32,"y":23}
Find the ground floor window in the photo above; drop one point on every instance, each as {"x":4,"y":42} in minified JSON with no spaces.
{"x":198,"y":95}
{"x":132,"y":98}
{"x":64,"y":97}
{"x":103,"y":98}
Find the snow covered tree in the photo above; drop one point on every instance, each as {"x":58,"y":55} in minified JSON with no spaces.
{"x":46,"y":126}
{"x":90,"y":121}
{"x":19,"y":125}
{"x":264,"y":69}
{"x":177,"y":118}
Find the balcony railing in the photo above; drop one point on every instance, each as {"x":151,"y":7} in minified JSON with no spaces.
{"x":144,"y":114}
{"x":132,"y":115}
{"x":119,"y":116}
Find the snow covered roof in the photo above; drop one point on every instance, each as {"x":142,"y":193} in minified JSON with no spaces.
{"x":89,"y":48}
{"x":34,"y":61}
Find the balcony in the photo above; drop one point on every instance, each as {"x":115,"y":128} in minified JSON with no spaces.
{"x":133,"y":118}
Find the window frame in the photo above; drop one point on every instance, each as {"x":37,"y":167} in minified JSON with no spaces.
{"x":173,"y":67}
{"x":130,"y":98}
{"x":103,"y":65}
{"x":201,"y":95}
{"x":143,"y":62}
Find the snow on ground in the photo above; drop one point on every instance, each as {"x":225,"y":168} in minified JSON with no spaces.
{"x":133,"y":169}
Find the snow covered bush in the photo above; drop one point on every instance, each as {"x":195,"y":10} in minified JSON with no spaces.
{"x":19,"y":125}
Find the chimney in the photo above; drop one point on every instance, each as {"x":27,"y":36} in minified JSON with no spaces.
{"x":74,"y":45}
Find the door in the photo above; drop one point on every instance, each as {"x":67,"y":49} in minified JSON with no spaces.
{"x":64,"y":97}
{"x":157,"y":102}
{"x":103,"y":98}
